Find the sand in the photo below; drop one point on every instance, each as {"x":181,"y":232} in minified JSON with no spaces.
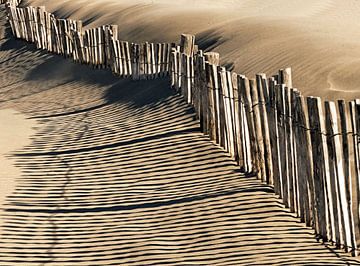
{"x":318,"y":39}
{"x":14,"y":134}
{"x":118,"y":173}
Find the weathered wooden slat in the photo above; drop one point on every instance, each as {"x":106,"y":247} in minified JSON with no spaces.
{"x":128,"y":58}
{"x":153,"y":60}
{"x":355,"y":125}
{"x":321,"y":168}
{"x":142,"y":60}
{"x":221,"y":115}
{"x":298,"y":189}
{"x":342,"y":221}
{"x":228,"y":123}
{"x":123,"y":60}
{"x":203,"y":95}
{"x":135,"y":54}
{"x":212,"y":58}
{"x":182,"y":76}
{"x":96,"y":47}
{"x":290,"y":152}
{"x":239,"y":117}
{"x":167,"y":52}
{"x":212,"y":85}
{"x":281,"y":118}
{"x":244,"y":85}
{"x":285,"y":77}
{"x":351,"y":184}
{"x":232,"y":117}
{"x":304,"y":163}
{"x":258,"y":131}
{"x":196,"y":87}
{"x":117,"y":65}
{"x":163,"y":56}
{"x":49,"y":33}
{"x":173,"y":68}
{"x":54,"y":35}
{"x":101,"y":38}
{"x":191,"y":77}
{"x":262,"y":91}
{"x":158,"y":59}
{"x":331,"y":130}
{"x":274,"y":136}
{"x":187,"y":43}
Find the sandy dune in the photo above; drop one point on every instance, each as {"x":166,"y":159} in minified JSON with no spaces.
{"x":318,"y":39}
{"x":118,"y":173}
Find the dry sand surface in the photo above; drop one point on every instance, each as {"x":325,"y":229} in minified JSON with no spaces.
{"x":319,"y":39}
{"x":118,"y":173}
{"x":14,"y":134}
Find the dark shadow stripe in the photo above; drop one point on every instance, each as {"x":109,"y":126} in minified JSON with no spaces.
{"x":144,"y":205}
{"x":72,"y":112}
{"x":109,"y":146}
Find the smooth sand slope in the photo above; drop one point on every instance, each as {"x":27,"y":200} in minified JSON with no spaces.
{"x":319,"y":39}
{"x":118,"y":173}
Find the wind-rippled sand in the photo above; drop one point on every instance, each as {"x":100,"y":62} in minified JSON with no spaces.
{"x":118,"y":173}
{"x":319,"y":39}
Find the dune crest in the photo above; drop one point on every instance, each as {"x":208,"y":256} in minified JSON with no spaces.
{"x":316,"y":38}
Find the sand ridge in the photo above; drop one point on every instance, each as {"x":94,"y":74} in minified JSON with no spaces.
{"x":318,"y":39}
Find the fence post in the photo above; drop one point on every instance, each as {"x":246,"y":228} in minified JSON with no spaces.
{"x":355,"y":125}
{"x":324,"y":204}
{"x":285,"y":77}
{"x":253,"y":163}
{"x":187,"y":44}
{"x":351,"y":184}
{"x":203,"y":94}
{"x":274,"y":135}
{"x":280,"y":102}
{"x":258,"y":131}
{"x":212,"y":86}
{"x":290,"y":152}
{"x":341,"y":215}
{"x":238,"y":114}
{"x":263,"y":93}
{"x":304,"y":163}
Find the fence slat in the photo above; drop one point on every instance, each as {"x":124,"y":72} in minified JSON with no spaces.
{"x":263,"y":102}
{"x":331,"y":130}
{"x":203,"y":95}
{"x":187,"y":44}
{"x":290,"y":152}
{"x":355,"y":125}
{"x":258,"y":131}
{"x":238,"y":116}
{"x":281,"y":114}
{"x":274,"y":136}
{"x":226,"y":87}
{"x":351,"y":184}
{"x":222,"y":110}
{"x":244,"y":86}
{"x":336,"y":160}
{"x":304,"y":163}
{"x":321,"y":169}
{"x":212,"y":85}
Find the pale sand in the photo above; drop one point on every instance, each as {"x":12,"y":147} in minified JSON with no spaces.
{"x":319,"y":39}
{"x":117,"y":173}
{"x":15,"y":131}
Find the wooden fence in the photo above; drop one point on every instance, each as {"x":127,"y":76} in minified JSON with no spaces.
{"x":307,"y":149}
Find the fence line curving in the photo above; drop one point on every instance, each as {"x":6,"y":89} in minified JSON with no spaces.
{"x":307,"y":149}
